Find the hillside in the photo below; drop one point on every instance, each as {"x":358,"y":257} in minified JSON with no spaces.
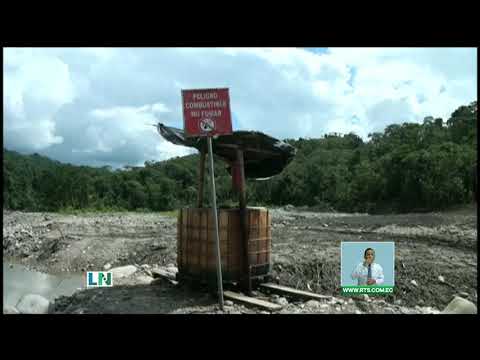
{"x":408,"y":167}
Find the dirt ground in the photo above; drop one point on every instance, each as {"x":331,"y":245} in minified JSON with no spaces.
{"x":306,"y":252}
{"x":305,"y":255}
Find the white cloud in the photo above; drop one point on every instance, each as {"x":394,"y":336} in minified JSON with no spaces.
{"x":91,"y":105}
{"x":35,"y":87}
{"x":393,"y":76}
{"x":112,"y":129}
{"x":159,"y":108}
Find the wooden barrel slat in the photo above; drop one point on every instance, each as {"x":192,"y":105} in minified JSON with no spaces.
{"x":196,"y":242}
{"x":179,"y":236}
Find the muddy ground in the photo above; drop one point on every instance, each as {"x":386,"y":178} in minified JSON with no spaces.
{"x":305,"y":255}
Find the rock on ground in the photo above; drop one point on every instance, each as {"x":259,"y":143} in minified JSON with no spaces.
{"x":123,"y":271}
{"x":460,"y":306}
{"x":172,"y":269}
{"x":10,"y":310}
{"x":312,"y":304}
{"x":281,"y":301}
{"x":143,"y":280}
{"x":33,"y":304}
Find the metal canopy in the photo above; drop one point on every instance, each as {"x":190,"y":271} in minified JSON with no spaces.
{"x":264,"y":156}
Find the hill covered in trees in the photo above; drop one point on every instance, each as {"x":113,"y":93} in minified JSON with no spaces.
{"x":408,"y":167}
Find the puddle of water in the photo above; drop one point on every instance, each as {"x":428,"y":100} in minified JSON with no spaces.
{"x":19,"y":281}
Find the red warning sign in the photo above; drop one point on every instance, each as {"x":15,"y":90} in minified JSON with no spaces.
{"x":206,"y":112}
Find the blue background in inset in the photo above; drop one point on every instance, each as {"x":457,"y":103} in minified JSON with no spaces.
{"x":352,"y":255}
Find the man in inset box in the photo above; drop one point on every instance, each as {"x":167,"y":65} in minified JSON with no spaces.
{"x":368,"y":272}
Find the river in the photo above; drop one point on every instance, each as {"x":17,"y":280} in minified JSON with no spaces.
{"x":19,"y":281}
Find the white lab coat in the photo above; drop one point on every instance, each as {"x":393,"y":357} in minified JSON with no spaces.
{"x":361,"y":271}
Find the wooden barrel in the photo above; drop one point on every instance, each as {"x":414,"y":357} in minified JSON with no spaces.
{"x":196,"y":243}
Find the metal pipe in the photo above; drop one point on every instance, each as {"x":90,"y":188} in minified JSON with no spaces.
{"x":215,"y":218}
{"x":244,"y":222}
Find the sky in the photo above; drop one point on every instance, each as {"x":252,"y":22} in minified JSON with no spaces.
{"x":92,"y":106}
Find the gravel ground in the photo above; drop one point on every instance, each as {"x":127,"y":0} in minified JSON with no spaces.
{"x":305,"y":255}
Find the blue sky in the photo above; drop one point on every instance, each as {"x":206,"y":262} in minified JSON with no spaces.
{"x":90,"y":105}
{"x":317,"y":50}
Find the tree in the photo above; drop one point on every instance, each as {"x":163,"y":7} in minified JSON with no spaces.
{"x":406,"y":167}
{"x":137,"y":198}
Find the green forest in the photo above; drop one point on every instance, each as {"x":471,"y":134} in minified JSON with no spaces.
{"x":408,"y":167}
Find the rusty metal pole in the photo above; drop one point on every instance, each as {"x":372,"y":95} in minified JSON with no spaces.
{"x":242,"y":199}
{"x":215,"y":219}
{"x":201,"y":179}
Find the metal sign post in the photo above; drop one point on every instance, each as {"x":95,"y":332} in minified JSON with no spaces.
{"x":215,"y":218}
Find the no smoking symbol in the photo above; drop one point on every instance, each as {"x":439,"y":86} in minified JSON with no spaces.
{"x":207,"y":125}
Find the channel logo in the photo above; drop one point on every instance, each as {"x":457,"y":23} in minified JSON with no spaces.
{"x":99,"y":279}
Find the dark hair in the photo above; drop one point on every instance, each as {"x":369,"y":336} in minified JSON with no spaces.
{"x":365,"y":253}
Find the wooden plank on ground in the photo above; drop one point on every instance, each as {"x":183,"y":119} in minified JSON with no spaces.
{"x":293,"y":292}
{"x":251,"y":301}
